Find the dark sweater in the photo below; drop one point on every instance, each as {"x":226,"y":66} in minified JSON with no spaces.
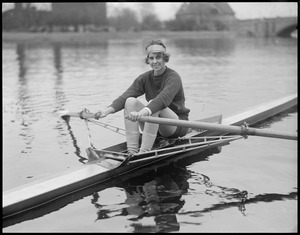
{"x":165,"y":91}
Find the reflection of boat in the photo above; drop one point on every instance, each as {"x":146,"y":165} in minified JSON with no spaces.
{"x":157,"y":194}
{"x":113,"y":161}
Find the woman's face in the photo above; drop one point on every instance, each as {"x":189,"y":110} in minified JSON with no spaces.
{"x":156,"y":61}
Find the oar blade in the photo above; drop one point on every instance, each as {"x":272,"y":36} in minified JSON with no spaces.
{"x":64,"y":114}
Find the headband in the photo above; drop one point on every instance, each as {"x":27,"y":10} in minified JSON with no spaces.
{"x":156,"y":48}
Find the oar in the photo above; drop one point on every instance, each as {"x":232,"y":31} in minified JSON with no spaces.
{"x":241,"y":130}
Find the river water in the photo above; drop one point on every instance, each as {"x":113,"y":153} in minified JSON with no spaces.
{"x":251,"y":186}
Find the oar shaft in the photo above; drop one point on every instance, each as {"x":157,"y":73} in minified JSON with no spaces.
{"x":219,"y":127}
{"x":273,"y":134}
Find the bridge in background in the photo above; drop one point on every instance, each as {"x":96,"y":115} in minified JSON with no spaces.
{"x":268,"y":27}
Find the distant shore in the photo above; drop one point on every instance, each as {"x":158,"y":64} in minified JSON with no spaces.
{"x":100,"y":37}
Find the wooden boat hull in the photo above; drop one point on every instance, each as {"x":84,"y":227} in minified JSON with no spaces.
{"x":38,"y":193}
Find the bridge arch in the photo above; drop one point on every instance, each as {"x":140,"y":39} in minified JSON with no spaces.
{"x":286,"y":32}
{"x":268,"y":27}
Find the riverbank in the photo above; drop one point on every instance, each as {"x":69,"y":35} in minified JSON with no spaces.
{"x":100,"y":37}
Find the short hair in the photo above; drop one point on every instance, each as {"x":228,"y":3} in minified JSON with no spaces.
{"x":165,"y":56}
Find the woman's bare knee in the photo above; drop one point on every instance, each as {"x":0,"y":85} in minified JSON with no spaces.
{"x":132,"y":104}
{"x":131,"y":101}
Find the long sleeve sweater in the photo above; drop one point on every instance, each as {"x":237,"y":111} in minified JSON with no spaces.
{"x":164,"y":91}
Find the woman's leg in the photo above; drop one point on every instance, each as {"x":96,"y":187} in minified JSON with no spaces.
{"x":132,"y":128}
{"x":149,"y":135}
{"x":150,"y":129}
{"x":167,"y":130}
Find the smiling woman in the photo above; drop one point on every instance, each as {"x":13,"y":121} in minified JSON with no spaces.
{"x":164,"y":93}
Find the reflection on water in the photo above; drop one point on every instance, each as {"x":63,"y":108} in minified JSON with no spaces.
{"x":156,"y":195}
{"x":58,"y":60}
{"x":220,"y":76}
{"x":74,"y":141}
{"x":21,"y":59}
{"x":206,"y":47}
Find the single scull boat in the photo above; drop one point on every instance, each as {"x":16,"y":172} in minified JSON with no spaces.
{"x":113,"y":161}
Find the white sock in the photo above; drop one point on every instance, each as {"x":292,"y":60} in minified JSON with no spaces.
{"x":133,"y":138}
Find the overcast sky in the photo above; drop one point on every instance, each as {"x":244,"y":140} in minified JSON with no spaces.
{"x":243,"y":10}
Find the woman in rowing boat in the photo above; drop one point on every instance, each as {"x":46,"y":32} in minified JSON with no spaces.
{"x":164,"y":93}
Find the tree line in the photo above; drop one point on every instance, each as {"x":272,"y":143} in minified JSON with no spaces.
{"x":124,"y":19}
